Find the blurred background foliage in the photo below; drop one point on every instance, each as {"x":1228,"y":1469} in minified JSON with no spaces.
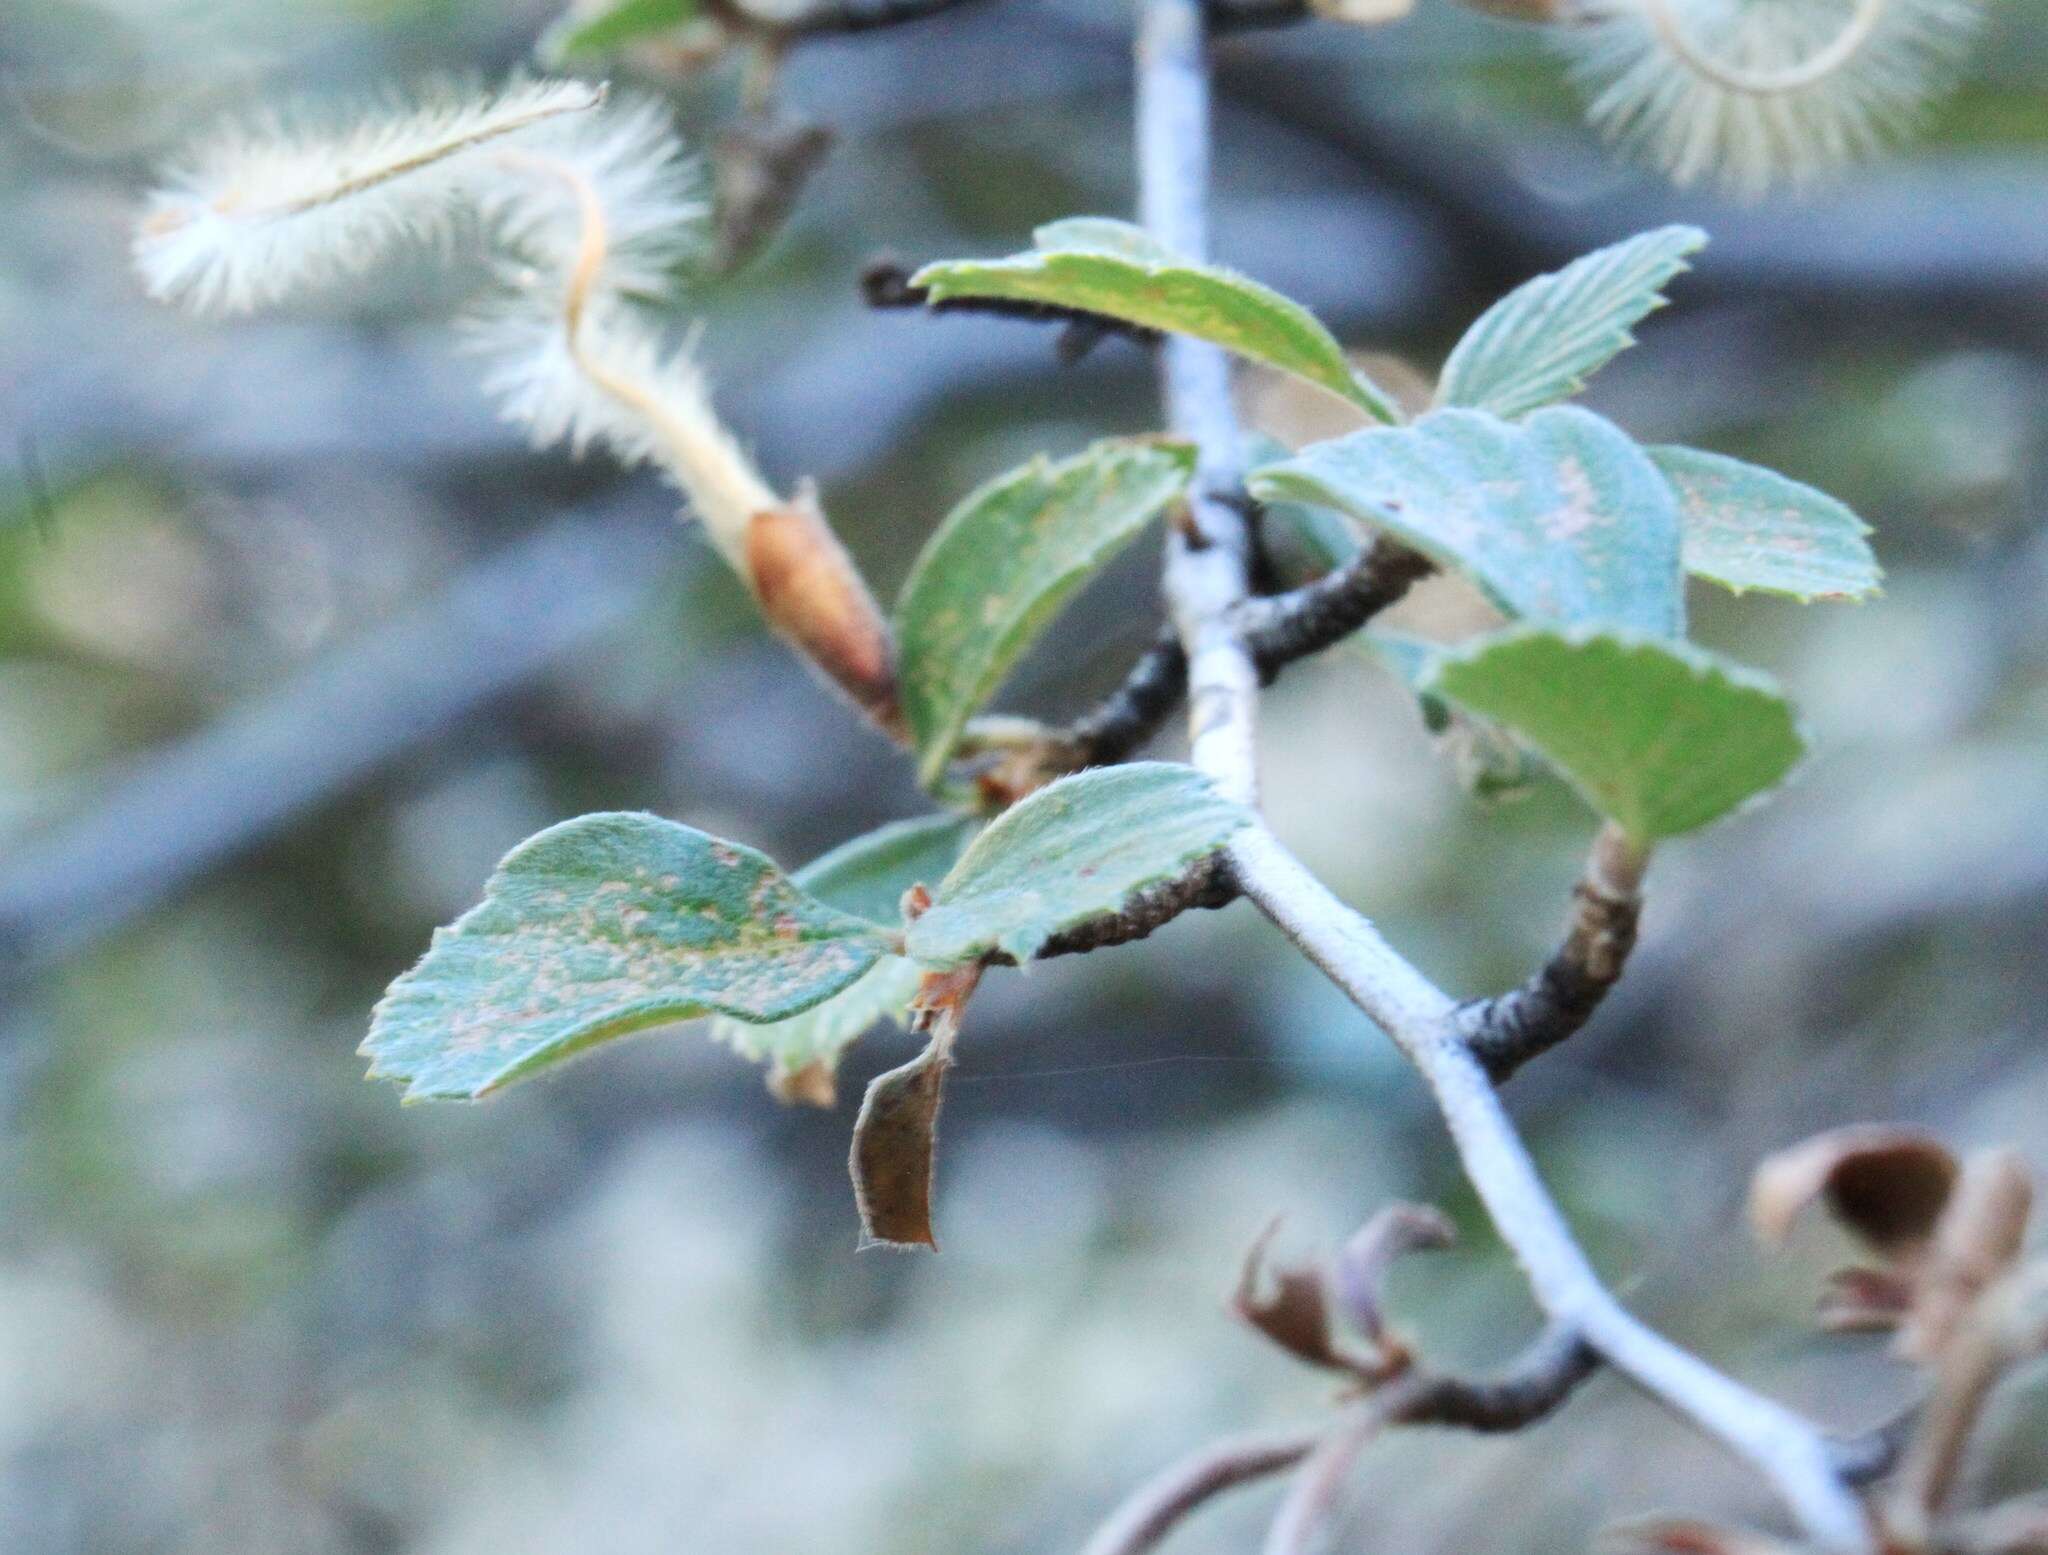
{"x":295,"y":640}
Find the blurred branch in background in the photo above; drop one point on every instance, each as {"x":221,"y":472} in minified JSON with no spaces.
{"x":176,"y":813}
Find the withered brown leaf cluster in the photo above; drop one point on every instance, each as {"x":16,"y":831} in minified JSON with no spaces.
{"x":1948,"y":1280}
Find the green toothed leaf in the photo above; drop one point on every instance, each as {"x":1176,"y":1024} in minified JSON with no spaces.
{"x":867,"y":878}
{"x":602,"y":926}
{"x":1075,"y":850}
{"x":1559,"y":517}
{"x":1099,"y":265}
{"x":1540,"y":343}
{"x":1003,"y":563}
{"x":1746,"y":527}
{"x":1659,"y":736}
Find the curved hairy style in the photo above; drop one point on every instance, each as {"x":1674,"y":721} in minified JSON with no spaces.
{"x":587,"y":204}
{"x":1756,"y":93}
{"x":611,"y":378}
{"x":626,"y":160}
{"x":264,"y":209}
{"x":589,"y":208}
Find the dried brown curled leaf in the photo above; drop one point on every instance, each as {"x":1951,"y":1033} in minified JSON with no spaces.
{"x":1887,"y":1184}
{"x":1360,"y":1274}
{"x":1290,"y":1306}
{"x":895,"y":1137}
{"x":894,"y":1141}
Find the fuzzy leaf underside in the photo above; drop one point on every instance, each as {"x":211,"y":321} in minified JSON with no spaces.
{"x":1746,"y":527}
{"x":1488,"y":761}
{"x":1001,"y":565}
{"x":1099,"y":265}
{"x":602,"y":926}
{"x":1559,"y":517}
{"x":1075,"y":850}
{"x":1659,"y":736}
{"x":1540,"y":343}
{"x":867,"y":878}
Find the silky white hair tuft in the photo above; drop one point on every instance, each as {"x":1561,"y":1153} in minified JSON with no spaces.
{"x":268,"y":208}
{"x":1752,"y":94}
{"x":586,"y":205}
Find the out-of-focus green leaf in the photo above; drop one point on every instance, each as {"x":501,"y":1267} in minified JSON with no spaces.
{"x":1075,"y":850}
{"x":1559,"y":517}
{"x":1542,"y":341}
{"x":1750,"y":528}
{"x":608,"y":27}
{"x":1001,"y":565}
{"x":1099,"y":265}
{"x":602,"y":926}
{"x":867,"y":878}
{"x":1659,"y":736}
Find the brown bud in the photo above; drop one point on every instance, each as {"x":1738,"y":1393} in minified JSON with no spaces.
{"x":810,"y":592}
{"x":1291,"y":1308}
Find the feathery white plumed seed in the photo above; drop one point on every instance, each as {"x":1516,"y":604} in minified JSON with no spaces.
{"x":269,"y":208}
{"x":1720,"y":90}
{"x":586,"y":204}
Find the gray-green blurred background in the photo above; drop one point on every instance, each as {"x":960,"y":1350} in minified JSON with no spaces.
{"x":295,"y":639}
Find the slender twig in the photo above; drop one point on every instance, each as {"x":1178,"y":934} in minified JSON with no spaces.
{"x":1160,"y":1505}
{"x":1312,"y":1494}
{"x":886,"y":283}
{"x":1509,"y":1029}
{"x":2006,"y":1326}
{"x":1129,"y":715}
{"x":1540,"y":1378}
{"x":1207,"y":885}
{"x":842,"y":16}
{"x":1537,"y":1381}
{"x":1281,"y":628}
{"x":1229,"y":16}
{"x":1205,"y":582}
